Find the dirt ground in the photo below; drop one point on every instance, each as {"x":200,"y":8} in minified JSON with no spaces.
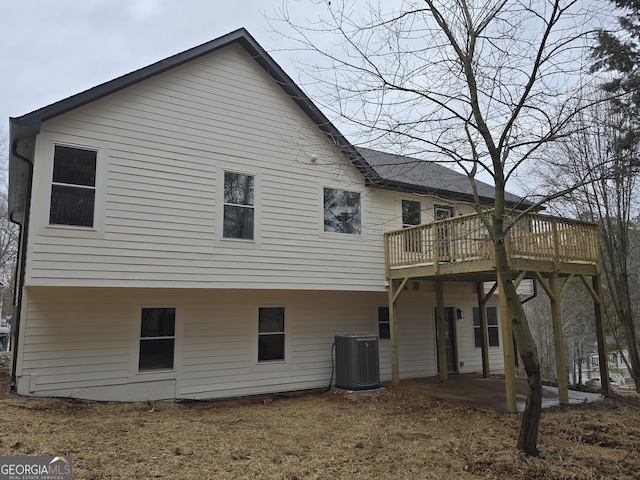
{"x":395,"y":434}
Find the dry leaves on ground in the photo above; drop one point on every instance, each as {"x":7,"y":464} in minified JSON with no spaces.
{"x":393,"y":434}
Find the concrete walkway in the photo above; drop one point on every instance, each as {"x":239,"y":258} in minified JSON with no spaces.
{"x":474,"y":390}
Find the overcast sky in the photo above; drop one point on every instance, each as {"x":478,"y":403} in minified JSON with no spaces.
{"x":51,"y":49}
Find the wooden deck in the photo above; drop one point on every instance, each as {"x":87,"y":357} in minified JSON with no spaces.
{"x":542,"y":247}
{"x":461,"y":246}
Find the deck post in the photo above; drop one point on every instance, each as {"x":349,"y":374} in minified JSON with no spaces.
{"x":393,"y":330}
{"x":484,"y":337}
{"x":558,"y":340}
{"x":508,"y":353}
{"x":440,"y":326}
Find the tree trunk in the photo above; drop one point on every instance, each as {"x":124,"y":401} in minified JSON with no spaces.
{"x":528,"y":438}
{"x":580,"y":359}
{"x":618,"y":283}
{"x":632,"y":347}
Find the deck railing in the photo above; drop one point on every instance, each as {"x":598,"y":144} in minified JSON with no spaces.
{"x":466,"y":239}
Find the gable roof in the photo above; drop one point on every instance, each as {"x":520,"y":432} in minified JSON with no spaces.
{"x":380,"y":170}
{"x":413,"y":175}
{"x":24,"y":129}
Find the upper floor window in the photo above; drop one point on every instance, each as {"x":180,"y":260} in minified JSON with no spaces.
{"x":410,"y":213}
{"x":342,"y":211}
{"x":239,"y":206}
{"x":411,"y":216}
{"x":73,"y":188}
{"x":442,"y":212}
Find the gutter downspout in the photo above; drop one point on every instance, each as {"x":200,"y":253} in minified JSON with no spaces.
{"x":19,"y":281}
{"x":533,"y":295}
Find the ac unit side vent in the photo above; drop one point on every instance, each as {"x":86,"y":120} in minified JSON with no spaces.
{"x":357,"y":362}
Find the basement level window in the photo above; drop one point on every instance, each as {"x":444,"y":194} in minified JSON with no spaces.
{"x":493,"y":329}
{"x":73,"y":186}
{"x":270,"y":334}
{"x":384,"y":330}
{"x":157,"y":339}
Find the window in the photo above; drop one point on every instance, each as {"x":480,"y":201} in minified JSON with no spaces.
{"x":444,"y":251}
{"x":410,"y":217}
{"x":492,"y":327}
{"x":410,"y":213}
{"x":270,"y":334}
{"x":73,"y":188}
{"x":157,"y":339}
{"x":384,"y":330}
{"x":239,"y":207}
{"x":342,"y":211}
{"x":442,"y":212}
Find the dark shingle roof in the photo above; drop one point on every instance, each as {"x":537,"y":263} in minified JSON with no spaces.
{"x":413,"y":175}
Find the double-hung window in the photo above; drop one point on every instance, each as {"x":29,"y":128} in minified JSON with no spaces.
{"x":239,"y":206}
{"x":73,"y":186}
{"x":411,"y":213}
{"x":384,"y":330}
{"x":270,"y":334}
{"x":493,"y":329}
{"x":342,"y":211}
{"x":157,"y":339}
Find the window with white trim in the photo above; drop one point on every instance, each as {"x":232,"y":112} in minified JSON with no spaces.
{"x":411,"y":216}
{"x":411,"y":213}
{"x":493,"y":329}
{"x":157,"y":339}
{"x":342,"y":211}
{"x":270,"y":334}
{"x":442,"y":212}
{"x":239,"y":206}
{"x":73,"y":186}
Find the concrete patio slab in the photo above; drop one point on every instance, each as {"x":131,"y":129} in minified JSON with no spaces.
{"x":474,"y":390}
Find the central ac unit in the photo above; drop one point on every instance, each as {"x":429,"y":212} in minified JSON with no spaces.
{"x":357,"y":362}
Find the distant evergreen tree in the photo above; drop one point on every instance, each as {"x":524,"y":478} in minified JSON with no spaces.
{"x":618,"y":52}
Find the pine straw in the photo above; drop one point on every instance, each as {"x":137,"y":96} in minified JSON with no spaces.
{"x":396,"y":434}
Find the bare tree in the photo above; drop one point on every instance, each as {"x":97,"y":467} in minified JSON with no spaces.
{"x":602,"y":151}
{"x":8,"y":233}
{"x":577,"y":324}
{"x":539,"y":316}
{"x":485,"y":85}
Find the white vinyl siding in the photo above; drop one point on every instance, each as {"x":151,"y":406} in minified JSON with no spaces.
{"x":169,"y":140}
{"x":83,"y":342}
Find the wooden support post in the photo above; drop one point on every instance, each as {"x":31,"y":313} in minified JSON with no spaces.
{"x":482,"y":301}
{"x":393,"y":330}
{"x":440,"y":327}
{"x":601,"y":335}
{"x":558,"y":340}
{"x":508,"y":353}
{"x":393,"y":336}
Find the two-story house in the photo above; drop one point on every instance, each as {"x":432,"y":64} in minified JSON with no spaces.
{"x":199,"y":229}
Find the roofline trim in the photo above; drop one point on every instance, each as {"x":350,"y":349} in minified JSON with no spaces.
{"x":33,"y":120}
{"x":385,"y":184}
